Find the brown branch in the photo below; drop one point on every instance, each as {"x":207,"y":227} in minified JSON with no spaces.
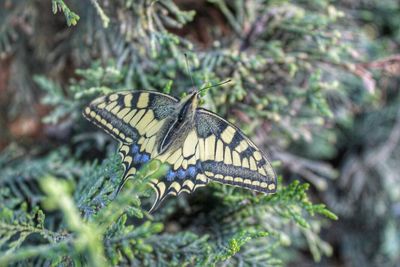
{"x":382,"y":63}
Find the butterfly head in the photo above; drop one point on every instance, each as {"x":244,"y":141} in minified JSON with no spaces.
{"x":189,"y":104}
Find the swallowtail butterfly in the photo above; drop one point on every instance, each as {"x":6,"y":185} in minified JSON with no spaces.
{"x":198,"y":145}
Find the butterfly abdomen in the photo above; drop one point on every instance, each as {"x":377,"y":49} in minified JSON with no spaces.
{"x":174,"y":134}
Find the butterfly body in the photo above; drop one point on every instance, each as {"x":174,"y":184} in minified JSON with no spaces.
{"x":198,"y":145}
{"x":179,"y":124}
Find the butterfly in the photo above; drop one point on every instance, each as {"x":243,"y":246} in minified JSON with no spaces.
{"x":197,"y":144}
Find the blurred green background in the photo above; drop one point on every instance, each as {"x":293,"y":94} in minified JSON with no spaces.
{"x":314,"y":83}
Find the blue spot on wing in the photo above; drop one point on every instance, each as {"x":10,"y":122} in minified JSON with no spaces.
{"x":170,"y":176}
{"x":198,"y":166}
{"x":137,"y":158}
{"x":140,"y":158}
{"x":181,"y":174}
{"x":191,"y":171}
{"x":135,"y":149}
{"x":145,"y":158}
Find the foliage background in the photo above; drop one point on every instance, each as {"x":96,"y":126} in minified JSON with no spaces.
{"x":315,"y":83}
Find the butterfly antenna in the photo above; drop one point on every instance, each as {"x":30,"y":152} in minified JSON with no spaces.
{"x":215,"y":85}
{"x":188,"y":70}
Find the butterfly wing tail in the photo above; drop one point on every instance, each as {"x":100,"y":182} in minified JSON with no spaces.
{"x":161,"y":194}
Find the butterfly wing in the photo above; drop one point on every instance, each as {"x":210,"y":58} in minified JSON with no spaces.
{"x":214,"y":150}
{"x":134,"y":119}
{"x":185,"y":173}
{"x":229,"y":157}
{"x":128,"y":116}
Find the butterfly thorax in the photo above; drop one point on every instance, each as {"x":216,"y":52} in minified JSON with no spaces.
{"x":179,"y":124}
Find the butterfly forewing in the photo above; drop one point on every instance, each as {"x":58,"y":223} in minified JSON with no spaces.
{"x":128,"y":116}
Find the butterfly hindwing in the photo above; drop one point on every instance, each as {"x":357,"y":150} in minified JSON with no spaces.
{"x":185,"y":173}
{"x":229,"y":157}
